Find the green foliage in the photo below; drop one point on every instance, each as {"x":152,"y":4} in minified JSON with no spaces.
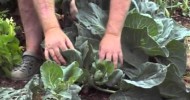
{"x":25,"y":93}
{"x":93,"y":18}
{"x":137,"y":94}
{"x":170,"y":6}
{"x":59,"y":80}
{"x":140,"y":46}
{"x":185,"y":8}
{"x":151,"y":48}
{"x":10,"y":53}
{"x":147,"y":75}
{"x":154,"y":57}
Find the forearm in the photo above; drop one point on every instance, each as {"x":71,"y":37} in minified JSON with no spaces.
{"x":117,"y":16}
{"x":46,"y":13}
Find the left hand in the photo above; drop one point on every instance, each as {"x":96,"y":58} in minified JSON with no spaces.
{"x":110,"y":49}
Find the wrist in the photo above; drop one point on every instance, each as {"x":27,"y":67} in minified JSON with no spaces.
{"x":50,"y":22}
{"x":112,"y":35}
{"x":50,"y":26}
{"x":51,"y":30}
{"x":113,"y":29}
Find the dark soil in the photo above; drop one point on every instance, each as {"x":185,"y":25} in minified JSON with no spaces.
{"x":183,"y":20}
{"x":94,"y":94}
{"x":6,"y":82}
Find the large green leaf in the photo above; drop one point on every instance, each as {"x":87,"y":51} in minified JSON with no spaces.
{"x":130,"y":53}
{"x":129,"y":70}
{"x":71,"y":32}
{"x":80,"y":40}
{"x":179,"y":31}
{"x":177,"y":56}
{"x":165,"y":28}
{"x":93,"y":18}
{"x":71,"y":73}
{"x":51,"y":75}
{"x":169,"y":30}
{"x":173,"y":88}
{"x":81,"y":3}
{"x":146,"y":6}
{"x":150,"y":75}
{"x":83,"y":31}
{"x":138,"y":21}
{"x":71,"y":56}
{"x":137,"y":94}
{"x":137,"y":45}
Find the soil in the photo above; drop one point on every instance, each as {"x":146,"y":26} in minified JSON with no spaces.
{"x":93,"y":94}
{"x":183,"y":20}
{"x":6,"y":82}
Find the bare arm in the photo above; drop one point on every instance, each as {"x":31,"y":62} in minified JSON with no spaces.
{"x":117,"y":16}
{"x":46,"y":14}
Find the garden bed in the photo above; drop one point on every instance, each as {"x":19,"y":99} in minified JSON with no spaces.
{"x":90,"y":93}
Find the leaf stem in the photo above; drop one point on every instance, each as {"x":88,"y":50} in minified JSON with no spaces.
{"x":99,"y":88}
{"x":104,"y":90}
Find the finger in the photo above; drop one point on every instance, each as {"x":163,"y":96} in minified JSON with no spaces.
{"x":69,"y":44}
{"x":115,"y":60}
{"x":52,"y":54}
{"x":109,"y":56}
{"x":102,"y":55}
{"x":121,"y":57}
{"x":59,"y":56}
{"x":46,"y":53}
{"x":63,"y":47}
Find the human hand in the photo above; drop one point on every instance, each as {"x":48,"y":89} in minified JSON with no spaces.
{"x":56,"y":40}
{"x":73,"y":9}
{"x":110,"y":49}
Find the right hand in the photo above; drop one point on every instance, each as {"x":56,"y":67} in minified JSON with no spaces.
{"x":56,"y":40}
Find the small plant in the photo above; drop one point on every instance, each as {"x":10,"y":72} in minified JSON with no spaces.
{"x":185,"y":8}
{"x":169,"y":6}
{"x":10,"y":52}
{"x":59,"y":80}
